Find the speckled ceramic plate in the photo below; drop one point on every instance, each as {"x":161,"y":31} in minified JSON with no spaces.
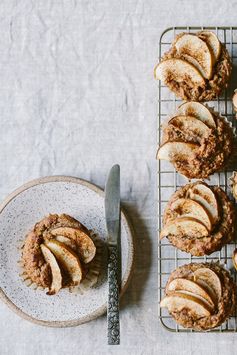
{"x":18,"y":213}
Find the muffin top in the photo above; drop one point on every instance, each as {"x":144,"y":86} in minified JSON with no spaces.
{"x":200,"y":296}
{"x":56,"y":251}
{"x":199,"y":219}
{"x":197,"y":66}
{"x":196,"y":140}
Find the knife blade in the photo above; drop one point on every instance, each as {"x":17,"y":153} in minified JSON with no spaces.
{"x":112,"y":216}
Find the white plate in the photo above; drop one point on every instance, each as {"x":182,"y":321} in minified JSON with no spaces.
{"x":18,"y":213}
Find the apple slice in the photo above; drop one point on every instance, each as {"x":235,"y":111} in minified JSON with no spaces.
{"x":67,"y":258}
{"x":185,"y":285}
{"x":176,"y":151}
{"x":178,"y":301}
{"x":185,"y":226}
{"x":208,"y":279}
{"x":197,"y":52}
{"x":69,"y":242}
{"x":56,"y":284}
{"x":207,"y":305}
{"x":86,"y":247}
{"x":234,"y":100}
{"x":191,"y":125}
{"x":234,"y":258}
{"x":178,"y":70}
{"x":213,"y":42}
{"x":207,"y":198}
{"x":197,"y":110}
{"x":185,"y":207}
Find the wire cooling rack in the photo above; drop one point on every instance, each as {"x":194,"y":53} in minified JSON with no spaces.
{"x":169,"y":257}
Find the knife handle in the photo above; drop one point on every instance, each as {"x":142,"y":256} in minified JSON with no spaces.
{"x":113,"y":298}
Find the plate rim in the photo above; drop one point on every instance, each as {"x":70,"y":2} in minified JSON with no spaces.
{"x":128,"y":272}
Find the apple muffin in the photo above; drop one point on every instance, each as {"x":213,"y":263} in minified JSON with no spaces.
{"x":200,"y":296}
{"x":57,"y":252}
{"x":197,"y":67}
{"x":199,"y":219}
{"x":196,"y":140}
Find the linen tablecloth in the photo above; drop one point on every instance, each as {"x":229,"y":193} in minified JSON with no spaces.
{"x":77,"y":95}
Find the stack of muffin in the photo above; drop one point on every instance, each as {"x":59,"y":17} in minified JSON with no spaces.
{"x":198,"y":219}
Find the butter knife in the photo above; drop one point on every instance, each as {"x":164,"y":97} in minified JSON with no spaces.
{"x":112,"y":216}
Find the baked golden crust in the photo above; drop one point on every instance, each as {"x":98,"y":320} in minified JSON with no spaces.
{"x":55,"y":221}
{"x":34,"y":264}
{"x":211,"y":155}
{"x":226,"y":304}
{"x":213,"y":87}
{"x":222,"y":233}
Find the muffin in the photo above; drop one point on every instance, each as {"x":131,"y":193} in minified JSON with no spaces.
{"x":56,"y":252}
{"x":197,"y":67}
{"x":199,"y":219}
{"x":200,"y":296}
{"x":196,"y":140}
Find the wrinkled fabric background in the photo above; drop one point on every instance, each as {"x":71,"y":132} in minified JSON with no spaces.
{"x":77,"y":95}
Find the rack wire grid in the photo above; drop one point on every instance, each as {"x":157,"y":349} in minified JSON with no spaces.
{"x":169,"y":257}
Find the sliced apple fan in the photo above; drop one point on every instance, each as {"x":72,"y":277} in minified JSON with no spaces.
{"x":185,"y":207}
{"x":206,"y":197}
{"x":85,"y":245}
{"x":200,"y":295}
{"x":67,"y":258}
{"x":192,"y":216}
{"x":62,"y":251}
{"x":196,"y":122}
{"x":197,"y":57}
{"x":197,"y":52}
{"x":192,"y":288}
